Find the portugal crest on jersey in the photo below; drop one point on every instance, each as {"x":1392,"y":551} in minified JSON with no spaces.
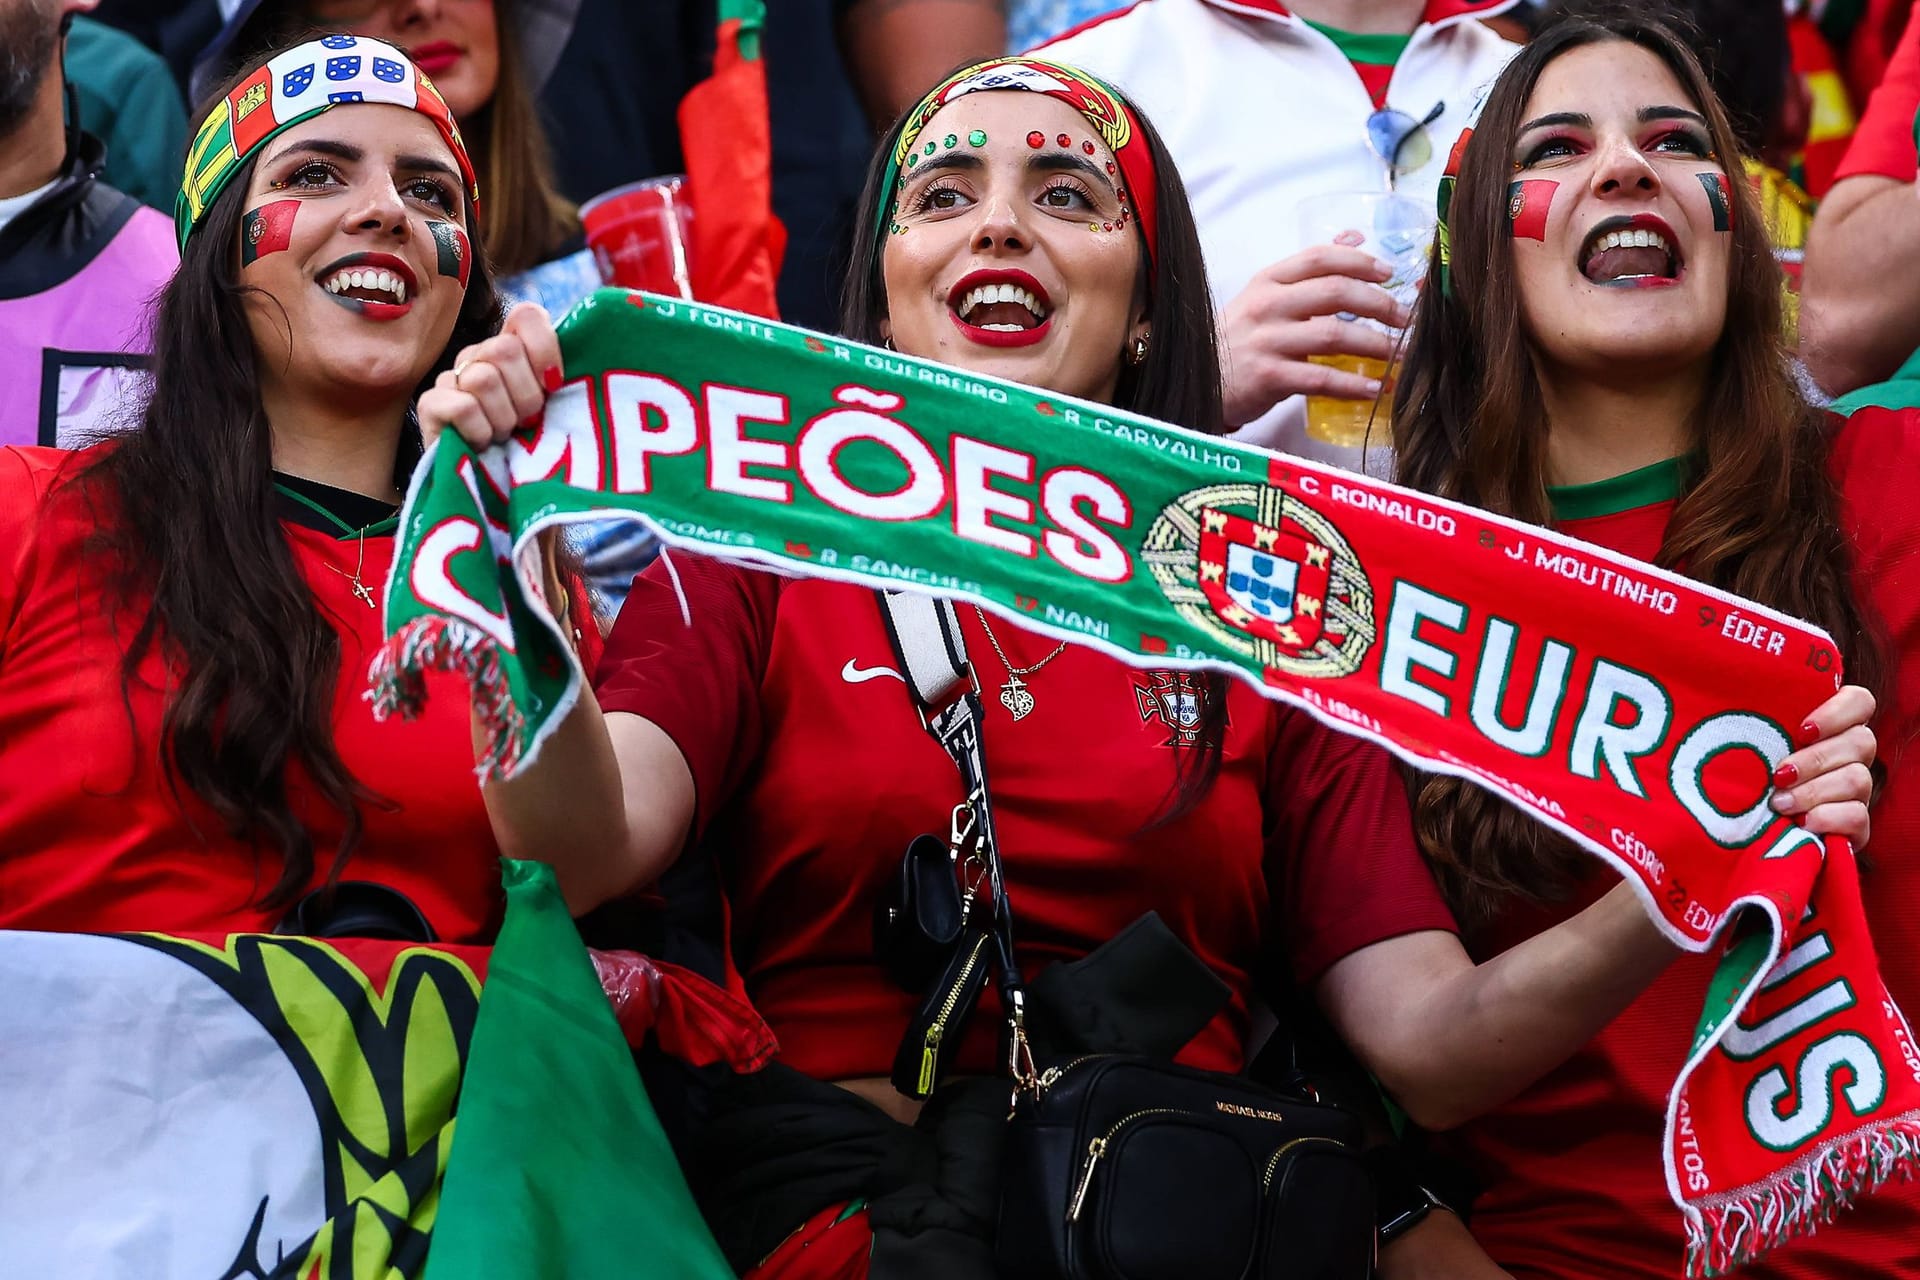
{"x":1265,"y":574}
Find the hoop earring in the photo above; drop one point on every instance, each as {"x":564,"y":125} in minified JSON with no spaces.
{"x":887,"y":342}
{"x":1138,"y":356}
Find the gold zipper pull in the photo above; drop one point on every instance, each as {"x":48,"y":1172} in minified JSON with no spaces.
{"x":930,"y":1058}
{"x":1095,"y":1149}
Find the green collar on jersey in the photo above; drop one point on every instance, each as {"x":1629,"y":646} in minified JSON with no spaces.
{"x":1660,"y":482}
{"x":1381,"y":50}
{"x":1901,"y":391}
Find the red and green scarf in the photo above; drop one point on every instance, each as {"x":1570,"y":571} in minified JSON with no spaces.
{"x":1637,"y":712}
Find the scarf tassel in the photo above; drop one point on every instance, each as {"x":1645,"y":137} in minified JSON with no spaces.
{"x":1733,"y":1232}
{"x":398,"y":677}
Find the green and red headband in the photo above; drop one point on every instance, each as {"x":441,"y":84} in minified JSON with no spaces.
{"x":1111,"y":118}
{"x":296,"y":85}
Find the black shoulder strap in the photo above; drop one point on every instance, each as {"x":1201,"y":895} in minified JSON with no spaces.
{"x":926,"y":638}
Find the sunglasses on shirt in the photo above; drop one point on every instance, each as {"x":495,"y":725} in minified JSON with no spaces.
{"x":1400,"y":140}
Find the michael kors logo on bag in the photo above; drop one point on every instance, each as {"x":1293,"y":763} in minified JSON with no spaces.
{"x":1251,"y":1113}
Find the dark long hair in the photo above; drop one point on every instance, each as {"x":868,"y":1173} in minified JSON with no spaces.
{"x":1758,"y":516}
{"x":525,"y":217}
{"x":187,"y":522}
{"x":1178,"y":382}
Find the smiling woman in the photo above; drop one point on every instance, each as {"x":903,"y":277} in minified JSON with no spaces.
{"x":186,"y":612}
{"x":1606,"y":359}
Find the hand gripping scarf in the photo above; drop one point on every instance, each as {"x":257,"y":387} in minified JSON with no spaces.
{"x":1635,"y":711}
{"x":297,"y":85}
{"x":1118,"y":127}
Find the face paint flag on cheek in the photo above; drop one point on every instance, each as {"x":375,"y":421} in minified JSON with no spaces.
{"x":1527,"y":204}
{"x":455,"y":254}
{"x":1720,"y":197}
{"x":266,"y":230}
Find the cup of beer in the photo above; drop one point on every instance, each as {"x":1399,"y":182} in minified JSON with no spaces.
{"x":1398,"y":230}
{"x":640,"y":235}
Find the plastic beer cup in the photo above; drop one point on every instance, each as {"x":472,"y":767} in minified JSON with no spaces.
{"x":639,"y":234}
{"x":1397,"y":230}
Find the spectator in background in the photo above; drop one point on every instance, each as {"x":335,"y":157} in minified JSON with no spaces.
{"x":1748,"y":56}
{"x":894,"y":49}
{"x":472,"y":51}
{"x":128,"y":99}
{"x":1263,"y":106}
{"x":79,"y":261}
{"x":1860,"y":299}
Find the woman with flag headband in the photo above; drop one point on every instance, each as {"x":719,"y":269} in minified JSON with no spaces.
{"x":186,"y":610}
{"x":1605,"y":358}
{"x":1022,"y":221}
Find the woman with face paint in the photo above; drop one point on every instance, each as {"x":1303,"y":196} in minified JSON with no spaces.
{"x":1605,"y":359}
{"x":187,"y":611}
{"x":1022,"y":221}
{"x":472,"y":49}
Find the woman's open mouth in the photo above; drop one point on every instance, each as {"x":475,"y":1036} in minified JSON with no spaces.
{"x":375,"y":285}
{"x":1000,"y":308}
{"x":1639,"y":251}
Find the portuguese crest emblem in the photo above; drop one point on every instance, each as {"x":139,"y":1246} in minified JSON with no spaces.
{"x":1267,"y":576}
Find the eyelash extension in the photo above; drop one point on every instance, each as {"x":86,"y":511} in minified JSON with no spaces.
{"x":923,"y":198}
{"x":442,"y":196}
{"x":305,"y":166}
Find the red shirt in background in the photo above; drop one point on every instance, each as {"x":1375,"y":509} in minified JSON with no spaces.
{"x":813,"y":774}
{"x":1883,"y":144}
{"x":91,"y":836}
{"x":1572,"y":1168}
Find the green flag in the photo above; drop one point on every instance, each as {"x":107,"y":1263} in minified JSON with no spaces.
{"x":559,"y":1166}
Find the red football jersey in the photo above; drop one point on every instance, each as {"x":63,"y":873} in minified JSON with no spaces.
{"x":91,"y":835}
{"x":813,"y":774}
{"x":1574,"y":1187}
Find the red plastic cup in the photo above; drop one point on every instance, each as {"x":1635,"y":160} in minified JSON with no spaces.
{"x":640,"y":235}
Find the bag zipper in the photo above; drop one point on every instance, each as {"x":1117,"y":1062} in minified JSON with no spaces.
{"x":930,"y":1048}
{"x":1273,"y":1161}
{"x":1098,"y":1148}
{"x":1051,"y":1076}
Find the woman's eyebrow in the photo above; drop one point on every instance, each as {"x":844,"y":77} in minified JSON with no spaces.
{"x":425,"y":164}
{"x":1063,"y":160}
{"x":1578,"y":119}
{"x":946,"y":160}
{"x":324,"y":146}
{"x":1649,"y":114}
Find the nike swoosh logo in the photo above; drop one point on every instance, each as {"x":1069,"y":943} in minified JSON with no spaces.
{"x":860,"y":675}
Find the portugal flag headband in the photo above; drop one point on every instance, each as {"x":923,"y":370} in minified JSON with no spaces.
{"x":294,"y":86}
{"x":1111,"y":118}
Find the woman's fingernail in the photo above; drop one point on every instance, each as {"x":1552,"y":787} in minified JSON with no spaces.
{"x":1781,"y":802}
{"x":1809,"y":733}
{"x":535,"y":418}
{"x":1786,"y":775}
{"x":553,"y":378}
{"x":1373,"y":386}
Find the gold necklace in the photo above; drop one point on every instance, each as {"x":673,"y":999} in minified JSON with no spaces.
{"x":359,"y":587}
{"x":1013,"y":694}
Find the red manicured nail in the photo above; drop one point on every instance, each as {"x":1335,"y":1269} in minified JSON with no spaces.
{"x":1786,"y":775}
{"x":1809,"y":733}
{"x":552,"y":377}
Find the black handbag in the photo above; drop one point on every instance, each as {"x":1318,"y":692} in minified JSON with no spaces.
{"x":1122,"y":1167}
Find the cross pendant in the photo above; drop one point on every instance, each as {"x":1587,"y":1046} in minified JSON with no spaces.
{"x":360,"y":589}
{"x":1015,"y":698}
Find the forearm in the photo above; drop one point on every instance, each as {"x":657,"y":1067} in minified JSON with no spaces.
{"x":1493,"y":1029}
{"x":896,"y":50}
{"x":566,"y":808}
{"x":1439,"y":1247}
{"x":1859,"y":298}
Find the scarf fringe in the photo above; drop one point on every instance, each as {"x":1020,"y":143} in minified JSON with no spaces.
{"x":1733,"y":1232}
{"x":437,"y":643}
